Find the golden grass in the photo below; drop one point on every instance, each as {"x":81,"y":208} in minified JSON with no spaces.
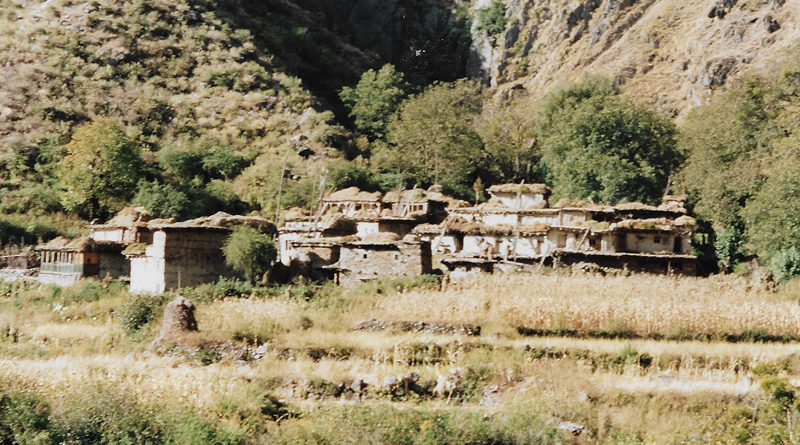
{"x":643,"y":304}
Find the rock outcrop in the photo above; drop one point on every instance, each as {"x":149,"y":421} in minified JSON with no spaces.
{"x":670,"y":53}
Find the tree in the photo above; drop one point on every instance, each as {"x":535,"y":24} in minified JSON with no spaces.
{"x":375,"y":98}
{"x":742,"y":165}
{"x":343,"y":174}
{"x":161,"y":200}
{"x":509,"y":138}
{"x":432,"y":138}
{"x":596,"y":144}
{"x":100,"y":171}
{"x":249,"y":251}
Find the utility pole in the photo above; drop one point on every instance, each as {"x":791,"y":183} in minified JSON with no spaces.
{"x":280,"y":187}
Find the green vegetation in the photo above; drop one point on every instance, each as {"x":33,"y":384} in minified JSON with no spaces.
{"x":596,"y":144}
{"x":190,"y":108}
{"x":100,"y":170}
{"x":742,"y":168}
{"x":78,"y":366}
{"x":374,"y":100}
{"x":492,"y":18}
{"x":249,"y":251}
{"x":432,"y":139}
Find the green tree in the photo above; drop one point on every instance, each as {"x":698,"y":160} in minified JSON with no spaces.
{"x":742,"y":165}
{"x":375,"y":98}
{"x":343,"y":174}
{"x":597,"y":144}
{"x":249,"y":251}
{"x":509,"y":136}
{"x":162,"y":200}
{"x":100,"y":171}
{"x":432,"y":138}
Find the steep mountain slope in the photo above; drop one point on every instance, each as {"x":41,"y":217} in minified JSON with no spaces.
{"x":671,"y":53}
{"x":165,"y":69}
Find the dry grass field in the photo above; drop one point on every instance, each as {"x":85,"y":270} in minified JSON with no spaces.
{"x":558,"y":359}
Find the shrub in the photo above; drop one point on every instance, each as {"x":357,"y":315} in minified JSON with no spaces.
{"x":249,"y":251}
{"x":224,"y":287}
{"x":492,"y":19}
{"x":89,"y":290}
{"x":23,"y":419}
{"x":139,"y":310}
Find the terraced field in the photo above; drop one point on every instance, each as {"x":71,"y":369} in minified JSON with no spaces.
{"x":546,"y":358}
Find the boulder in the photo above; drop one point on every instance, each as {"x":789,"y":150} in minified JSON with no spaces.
{"x":178,"y":318}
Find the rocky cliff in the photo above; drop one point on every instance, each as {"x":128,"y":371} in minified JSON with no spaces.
{"x":670,"y":53}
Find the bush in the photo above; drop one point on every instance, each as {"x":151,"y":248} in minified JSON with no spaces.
{"x":23,"y":419}
{"x":784,"y":264}
{"x":139,"y":310}
{"x":728,"y":246}
{"x":492,"y":19}
{"x":224,"y":287}
{"x":89,"y":290}
{"x":250,"y":252}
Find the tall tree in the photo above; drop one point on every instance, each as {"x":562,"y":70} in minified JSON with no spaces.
{"x":432,"y":138}
{"x":375,"y":98}
{"x":509,"y":137}
{"x":742,"y":166}
{"x":100,"y":171}
{"x":597,"y":144}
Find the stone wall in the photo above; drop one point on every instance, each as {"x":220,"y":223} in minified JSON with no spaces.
{"x":361,"y":261}
{"x":112,"y":263}
{"x":522,"y":201}
{"x":180,"y":257}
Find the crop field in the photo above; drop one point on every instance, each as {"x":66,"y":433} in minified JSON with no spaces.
{"x":520,"y":358}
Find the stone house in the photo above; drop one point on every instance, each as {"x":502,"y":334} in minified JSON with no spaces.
{"x":352,"y":203}
{"x":314,"y":246}
{"x":375,"y":258}
{"x":186,"y":253}
{"x":64,"y":262}
{"x":521,"y":196}
{"x":518,"y":225}
{"x":128,"y":227}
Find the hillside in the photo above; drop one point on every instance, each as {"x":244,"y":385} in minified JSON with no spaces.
{"x":672,"y":54}
{"x":250,"y":71}
{"x":226,"y":103}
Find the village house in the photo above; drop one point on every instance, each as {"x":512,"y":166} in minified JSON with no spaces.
{"x":18,"y":264}
{"x":382,"y":256}
{"x":64,"y":262}
{"x":517,"y":226}
{"x":186,"y":253}
{"x":350,"y":220}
